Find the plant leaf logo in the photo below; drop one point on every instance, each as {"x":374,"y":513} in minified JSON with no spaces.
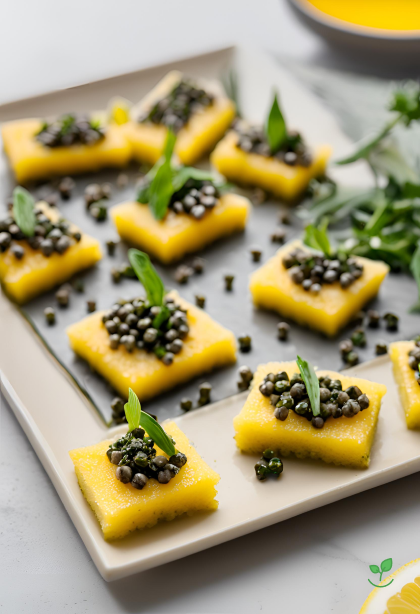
{"x":386,"y":565}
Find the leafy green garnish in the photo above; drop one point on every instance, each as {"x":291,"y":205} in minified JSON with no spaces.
{"x":132,"y":410}
{"x":311,"y":382}
{"x":156,"y":432}
{"x":275,"y":127}
{"x":136,"y":417}
{"x":163,"y":180}
{"x":317,"y":238}
{"x":161,"y":188}
{"x":148,"y":277}
{"x":23,"y":211}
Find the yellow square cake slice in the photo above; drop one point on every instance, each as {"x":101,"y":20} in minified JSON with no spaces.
{"x":120,"y":508}
{"x":35,"y":273}
{"x":408,"y":387}
{"x":208,"y":345}
{"x":170,"y":239}
{"x":272,"y":288}
{"x":282,"y":180}
{"x":32,"y":160}
{"x":343,"y":441}
{"x":196,"y":138}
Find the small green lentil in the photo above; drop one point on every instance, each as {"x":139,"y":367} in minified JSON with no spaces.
{"x":229,"y":282}
{"x":283,"y":330}
{"x":186,"y":404}
{"x":200,"y":300}
{"x":91,"y":306}
{"x":49,"y":314}
{"x":245,"y":343}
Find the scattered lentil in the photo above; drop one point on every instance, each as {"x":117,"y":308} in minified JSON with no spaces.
{"x":283,"y":330}
{"x":245,"y":343}
{"x":49,"y":314}
{"x":229,"y":282}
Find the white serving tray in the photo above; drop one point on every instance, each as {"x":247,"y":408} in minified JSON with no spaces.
{"x":56,"y":416}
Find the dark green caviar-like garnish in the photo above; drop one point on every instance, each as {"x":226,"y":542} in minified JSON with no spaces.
{"x":293,"y":151}
{"x":414,"y":360}
{"x":137,"y":324}
{"x":70,"y":129}
{"x":273,"y":140}
{"x":176,"y":109}
{"x":41,"y":234}
{"x":136,"y":460}
{"x":195,"y":198}
{"x":270,"y":464}
{"x":290,"y":394}
{"x":312,"y":270}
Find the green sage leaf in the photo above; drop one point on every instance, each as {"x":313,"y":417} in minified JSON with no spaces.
{"x":148,"y":277}
{"x":275,"y":128}
{"x":132,"y":410}
{"x":157,"y":433}
{"x":311,"y":382}
{"x":23,"y":211}
{"x":164,"y":314}
{"x":366,"y":145}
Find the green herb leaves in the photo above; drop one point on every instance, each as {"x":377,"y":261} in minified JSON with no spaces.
{"x":23,"y":211}
{"x":132,"y":410}
{"x":317,"y":238}
{"x":136,"y":417}
{"x":163,"y":180}
{"x":147,"y":275}
{"x":275,"y":127}
{"x":311,"y":382}
{"x":161,"y":188}
{"x":156,"y":432}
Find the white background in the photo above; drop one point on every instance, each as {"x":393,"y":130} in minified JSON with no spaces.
{"x":316,"y":563}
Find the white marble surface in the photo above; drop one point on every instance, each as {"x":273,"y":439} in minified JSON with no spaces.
{"x":318,"y":562}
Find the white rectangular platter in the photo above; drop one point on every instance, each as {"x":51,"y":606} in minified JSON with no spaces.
{"x":57,"y":418}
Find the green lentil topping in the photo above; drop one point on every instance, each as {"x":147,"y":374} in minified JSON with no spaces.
{"x":136,"y":324}
{"x":311,"y":270}
{"x":48,"y":236}
{"x":293,"y":150}
{"x":414,"y":360}
{"x":137,"y":462}
{"x":70,"y":129}
{"x":290,"y":394}
{"x":176,"y":109}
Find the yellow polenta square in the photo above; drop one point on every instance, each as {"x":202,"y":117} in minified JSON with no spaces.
{"x":272,"y":288}
{"x":282,"y":180}
{"x":343,"y":441}
{"x":208,"y":345}
{"x":120,"y":508}
{"x":35,"y":273}
{"x":179,"y":234}
{"x":408,"y":386}
{"x":32,"y":160}
{"x":196,"y":138}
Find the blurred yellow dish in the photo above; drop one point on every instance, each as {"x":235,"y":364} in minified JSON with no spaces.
{"x":408,"y":386}
{"x":179,"y":234}
{"x":196,"y":138}
{"x":384,"y":14}
{"x":208,"y":345}
{"x":280,"y":179}
{"x":343,"y":441}
{"x":120,"y":508}
{"x":272,"y":288}
{"x":35,"y":273}
{"x":32,"y":160}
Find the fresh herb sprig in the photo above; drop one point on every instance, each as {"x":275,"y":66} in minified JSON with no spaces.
{"x":148,"y":276}
{"x":275,"y":127}
{"x":311,"y":382}
{"x":164,"y":179}
{"x":136,"y":417}
{"x":318,"y":239}
{"x":24,"y":211}
{"x":383,"y":222}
